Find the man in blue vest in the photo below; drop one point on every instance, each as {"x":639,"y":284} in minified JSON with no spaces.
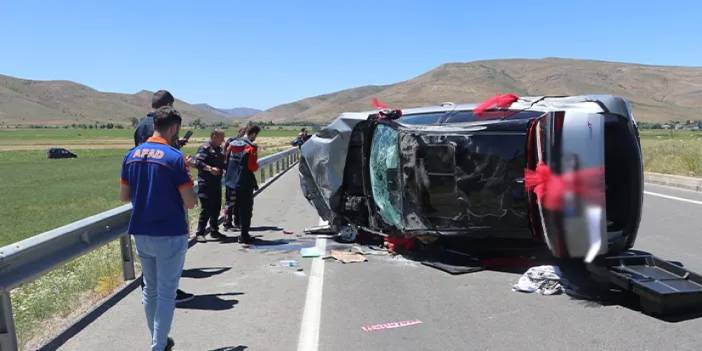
{"x":156,"y":180}
{"x":242,"y":163}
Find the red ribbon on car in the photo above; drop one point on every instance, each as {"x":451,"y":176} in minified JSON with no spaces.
{"x":550,"y":188}
{"x":378,"y":104}
{"x":497,"y":101}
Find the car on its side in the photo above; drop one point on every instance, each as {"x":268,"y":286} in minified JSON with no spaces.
{"x":565,"y":172}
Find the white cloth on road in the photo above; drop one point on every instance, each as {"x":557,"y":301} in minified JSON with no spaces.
{"x":546,"y":280}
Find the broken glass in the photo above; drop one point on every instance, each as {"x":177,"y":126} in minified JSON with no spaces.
{"x":385,"y":174}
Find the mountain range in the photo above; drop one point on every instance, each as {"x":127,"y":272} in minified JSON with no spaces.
{"x":229,"y":113}
{"x":61,"y":102}
{"x":657,"y":93}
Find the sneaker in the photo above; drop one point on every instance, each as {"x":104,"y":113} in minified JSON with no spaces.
{"x":228,"y":227}
{"x":200,"y":238}
{"x":182,"y":296}
{"x":217,"y":235}
{"x":169,"y":344}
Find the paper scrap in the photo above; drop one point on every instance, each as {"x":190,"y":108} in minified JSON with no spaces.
{"x":348,"y":257}
{"x":391,"y":325}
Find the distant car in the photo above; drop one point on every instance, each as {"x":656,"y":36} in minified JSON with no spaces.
{"x":57,"y":152}
{"x":565,"y":172}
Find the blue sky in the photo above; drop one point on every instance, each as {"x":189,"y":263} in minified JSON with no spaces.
{"x":263,"y":53}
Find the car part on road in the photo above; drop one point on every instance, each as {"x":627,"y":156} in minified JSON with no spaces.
{"x":347,"y":234}
{"x":663,"y":287}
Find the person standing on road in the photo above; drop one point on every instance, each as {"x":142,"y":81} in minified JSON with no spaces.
{"x":243,"y":162}
{"x":143,"y":131}
{"x":145,"y":128}
{"x":156,"y":180}
{"x":231,"y":211}
{"x":209,"y":161}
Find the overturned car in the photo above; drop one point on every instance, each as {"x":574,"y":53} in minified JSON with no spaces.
{"x":562,"y":171}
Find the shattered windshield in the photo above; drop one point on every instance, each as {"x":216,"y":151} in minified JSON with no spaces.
{"x":385,"y":174}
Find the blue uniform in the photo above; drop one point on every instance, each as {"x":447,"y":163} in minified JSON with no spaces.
{"x":155,"y":173}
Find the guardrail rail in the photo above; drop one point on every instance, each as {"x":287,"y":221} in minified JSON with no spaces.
{"x":29,"y":259}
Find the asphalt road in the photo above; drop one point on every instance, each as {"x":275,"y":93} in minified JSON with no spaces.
{"x":246,"y":302}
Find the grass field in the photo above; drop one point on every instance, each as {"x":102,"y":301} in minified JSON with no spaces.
{"x":41,"y":194}
{"x":672,"y":152}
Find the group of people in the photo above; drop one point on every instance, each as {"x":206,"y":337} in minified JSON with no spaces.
{"x":156,"y":179}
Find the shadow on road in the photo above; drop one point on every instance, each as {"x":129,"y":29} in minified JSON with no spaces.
{"x":210,"y":302}
{"x":231,"y":348}
{"x":205,"y":272}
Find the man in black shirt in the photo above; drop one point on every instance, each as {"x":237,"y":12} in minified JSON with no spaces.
{"x":209,"y":161}
{"x":145,"y":128}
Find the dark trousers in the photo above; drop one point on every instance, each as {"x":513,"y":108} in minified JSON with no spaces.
{"x":231,"y":210}
{"x":210,"y":203}
{"x":244,"y":201}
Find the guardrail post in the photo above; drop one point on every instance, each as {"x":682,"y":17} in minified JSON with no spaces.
{"x":8,"y":335}
{"x":263,"y":175}
{"x":125,"y":242}
{"x":277,"y":166}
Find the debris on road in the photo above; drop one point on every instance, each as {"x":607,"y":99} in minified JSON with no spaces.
{"x":287,"y":263}
{"x":319,"y":230}
{"x":348,"y":256}
{"x":396,"y":244}
{"x":391,"y":325}
{"x":546,"y":280}
{"x":452,"y":262}
{"x":288,"y":232}
{"x":309,"y":252}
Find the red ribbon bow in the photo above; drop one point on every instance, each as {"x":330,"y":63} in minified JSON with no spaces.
{"x":550,"y":188}
{"x":378,"y":105}
{"x":497,"y":101}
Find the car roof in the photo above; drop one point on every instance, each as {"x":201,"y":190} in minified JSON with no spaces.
{"x":585,"y":103}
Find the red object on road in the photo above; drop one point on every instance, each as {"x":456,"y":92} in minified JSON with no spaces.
{"x":287,"y":232}
{"x":394,"y":243}
{"x":497,"y":101}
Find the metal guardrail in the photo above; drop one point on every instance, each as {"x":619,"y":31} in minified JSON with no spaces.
{"x":29,"y":259}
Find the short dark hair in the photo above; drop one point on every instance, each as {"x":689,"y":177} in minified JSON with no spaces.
{"x":216,"y":131}
{"x":165,"y":117}
{"x":161,"y":98}
{"x":253,"y":129}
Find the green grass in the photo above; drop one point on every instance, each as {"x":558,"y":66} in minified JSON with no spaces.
{"x":41,"y":194}
{"x":8,"y":136}
{"x":672,"y":152}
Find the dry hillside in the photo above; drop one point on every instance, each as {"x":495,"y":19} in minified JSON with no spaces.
{"x":62,"y":102}
{"x":658,"y":93}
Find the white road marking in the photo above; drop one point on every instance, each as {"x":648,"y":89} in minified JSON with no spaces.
{"x":309,"y":330}
{"x":673,"y":198}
